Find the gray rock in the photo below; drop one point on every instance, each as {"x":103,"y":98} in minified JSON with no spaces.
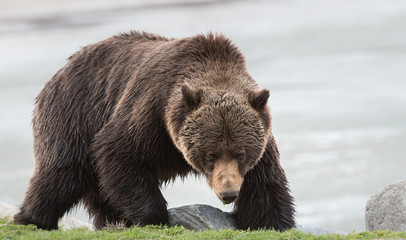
{"x":386,"y":210}
{"x":200,"y":217}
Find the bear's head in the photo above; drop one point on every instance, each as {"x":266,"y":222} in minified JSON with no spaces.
{"x":221,"y":134}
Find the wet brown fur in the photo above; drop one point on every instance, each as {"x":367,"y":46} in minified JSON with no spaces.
{"x":119,"y":120}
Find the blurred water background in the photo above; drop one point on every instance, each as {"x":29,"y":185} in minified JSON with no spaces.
{"x":336,"y":71}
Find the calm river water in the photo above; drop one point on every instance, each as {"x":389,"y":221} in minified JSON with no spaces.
{"x":336,"y":71}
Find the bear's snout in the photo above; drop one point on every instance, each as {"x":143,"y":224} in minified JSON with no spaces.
{"x":229,"y":196}
{"x":226,"y":180}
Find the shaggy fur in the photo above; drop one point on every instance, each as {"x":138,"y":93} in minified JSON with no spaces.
{"x":134,"y":111}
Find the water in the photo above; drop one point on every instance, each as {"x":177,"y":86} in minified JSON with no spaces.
{"x":336,"y":71}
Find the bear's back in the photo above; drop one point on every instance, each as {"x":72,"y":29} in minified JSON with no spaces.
{"x":128,"y":70}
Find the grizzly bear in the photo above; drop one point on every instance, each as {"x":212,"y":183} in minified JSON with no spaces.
{"x":132,"y":112}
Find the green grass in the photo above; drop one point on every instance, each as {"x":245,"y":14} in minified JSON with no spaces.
{"x":10,"y":231}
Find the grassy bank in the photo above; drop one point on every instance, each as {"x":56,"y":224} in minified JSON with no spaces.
{"x":10,"y":231}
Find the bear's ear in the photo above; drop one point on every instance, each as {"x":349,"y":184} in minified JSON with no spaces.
{"x":258,"y":99}
{"x":190,"y":96}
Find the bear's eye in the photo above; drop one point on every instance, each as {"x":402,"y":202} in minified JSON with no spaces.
{"x":240,"y":156}
{"x":211,"y":157}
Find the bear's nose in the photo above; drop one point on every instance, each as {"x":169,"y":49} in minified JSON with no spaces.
{"x":229,"y":196}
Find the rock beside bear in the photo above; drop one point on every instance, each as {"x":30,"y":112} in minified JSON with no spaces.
{"x":202,"y":217}
{"x":386,"y":210}
{"x":132,"y":112}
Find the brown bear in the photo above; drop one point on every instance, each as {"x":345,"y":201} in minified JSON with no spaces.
{"x":132,"y":112}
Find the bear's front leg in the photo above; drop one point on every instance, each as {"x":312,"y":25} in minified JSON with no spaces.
{"x":135,"y":193}
{"x":264,"y":200}
{"x":126,"y":180}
